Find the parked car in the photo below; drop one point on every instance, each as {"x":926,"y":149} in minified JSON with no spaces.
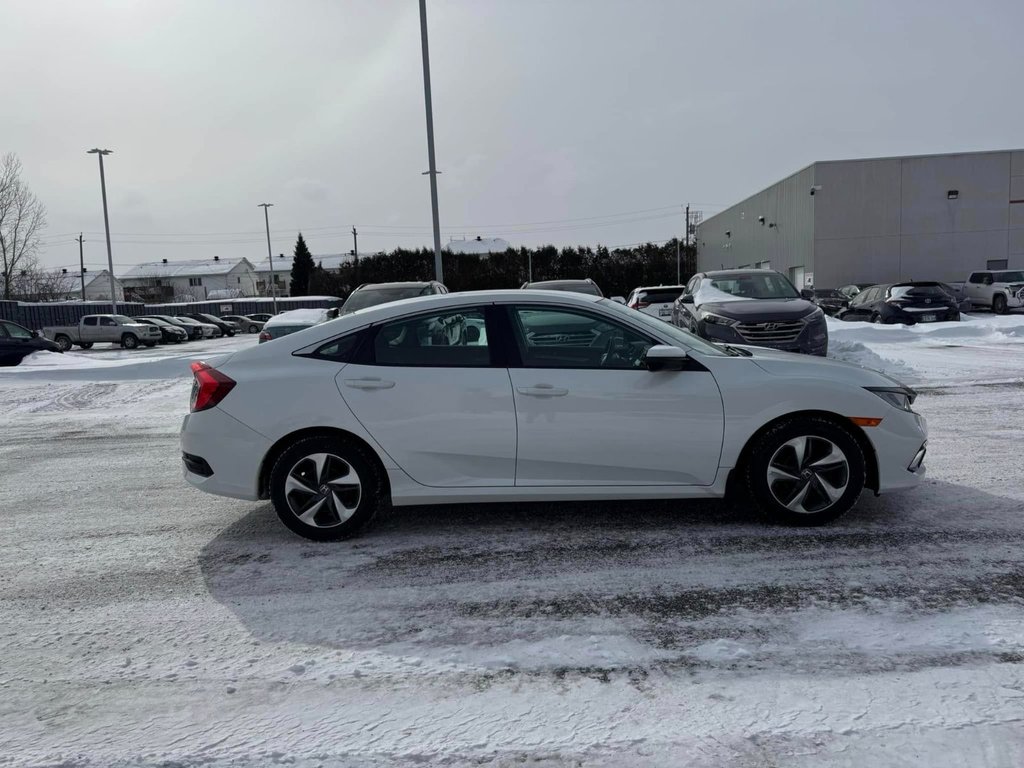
{"x":245,"y":323}
{"x":291,"y":321}
{"x":169,"y":334}
{"x":959,"y":292}
{"x":751,"y":306}
{"x":99,"y":329}
{"x":656,"y":300}
{"x":401,"y":404}
{"x":830,"y":300}
{"x":17,"y":342}
{"x":372,"y":294}
{"x":227,"y":328}
{"x":852,"y":289}
{"x":907,"y":303}
{"x":208,"y":330}
{"x":586,"y":286}
{"x":999,"y":290}
{"x":194,"y":330}
{"x":261,"y":316}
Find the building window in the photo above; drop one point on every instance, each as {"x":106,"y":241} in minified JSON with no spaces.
{"x":239,"y":280}
{"x":194,"y":281}
{"x":997,"y":264}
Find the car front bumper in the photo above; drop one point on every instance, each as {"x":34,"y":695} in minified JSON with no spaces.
{"x":900,"y":443}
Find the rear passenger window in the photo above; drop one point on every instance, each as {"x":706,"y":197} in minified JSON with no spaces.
{"x":91,"y":321}
{"x":455,"y":338}
{"x":340,"y":350}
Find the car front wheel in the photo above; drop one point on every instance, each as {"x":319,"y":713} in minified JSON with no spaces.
{"x":128,"y":341}
{"x":62,"y":341}
{"x":327,"y":488}
{"x":805,"y":471}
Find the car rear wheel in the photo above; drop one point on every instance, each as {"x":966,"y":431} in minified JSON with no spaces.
{"x":805,"y":471}
{"x":876,"y":318}
{"x":128,"y":341}
{"x":999,"y":304}
{"x":327,"y":488}
{"x":253,"y":329}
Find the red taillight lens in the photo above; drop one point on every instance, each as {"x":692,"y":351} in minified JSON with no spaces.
{"x":209,"y":387}
{"x":265,"y":336}
{"x":643,"y":304}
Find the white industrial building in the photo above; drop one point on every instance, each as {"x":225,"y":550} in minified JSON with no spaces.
{"x":922,"y":217}
{"x":168,"y":280}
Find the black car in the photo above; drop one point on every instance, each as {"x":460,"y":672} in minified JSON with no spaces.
{"x":18,"y":342}
{"x":713,"y":307}
{"x":907,"y":303}
{"x":830,"y":300}
{"x":194,"y":331}
{"x":169,"y":334}
{"x":585,"y":285}
{"x":227,"y":328}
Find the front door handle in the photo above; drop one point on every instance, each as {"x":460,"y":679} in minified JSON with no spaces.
{"x":369,"y":384}
{"x":542,"y":390}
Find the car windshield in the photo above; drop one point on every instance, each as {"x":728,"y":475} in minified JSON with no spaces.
{"x":371,"y":297}
{"x":756,"y":285}
{"x":1009,"y":277}
{"x":685,"y":338}
{"x":902,"y":291}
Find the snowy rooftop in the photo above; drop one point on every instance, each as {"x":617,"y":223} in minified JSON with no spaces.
{"x":195,"y":267}
{"x":478,"y":245}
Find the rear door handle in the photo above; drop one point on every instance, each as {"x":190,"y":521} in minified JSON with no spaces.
{"x":542,"y":390}
{"x":369,"y":384}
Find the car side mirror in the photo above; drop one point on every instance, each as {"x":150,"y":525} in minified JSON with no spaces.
{"x":662,"y":357}
{"x":807,"y":293}
{"x":619,"y":299}
{"x":35,"y":334}
{"x":686,"y":298}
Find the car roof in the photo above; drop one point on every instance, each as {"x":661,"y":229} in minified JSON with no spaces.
{"x":661,"y":288}
{"x":410,"y":284}
{"x":729,"y":272}
{"x":571,"y":281}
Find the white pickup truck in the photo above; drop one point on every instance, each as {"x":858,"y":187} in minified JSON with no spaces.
{"x":112,"y":329}
{"x":1000,"y":290}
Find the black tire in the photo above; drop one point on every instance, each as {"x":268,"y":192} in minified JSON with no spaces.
{"x":876,"y":318}
{"x":63,"y":341}
{"x":999,"y":304}
{"x":253,"y":329}
{"x":129,"y":341}
{"x":822,"y":436}
{"x":86,"y":344}
{"x":371,"y":500}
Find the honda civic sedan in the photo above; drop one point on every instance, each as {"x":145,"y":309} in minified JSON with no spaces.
{"x":537,"y":396}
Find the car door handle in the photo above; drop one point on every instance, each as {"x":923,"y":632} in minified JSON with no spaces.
{"x":369,"y":384}
{"x":542,"y":390}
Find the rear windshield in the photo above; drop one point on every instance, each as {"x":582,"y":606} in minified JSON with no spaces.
{"x":371,"y":297}
{"x":1009,"y":277}
{"x":661,"y":295}
{"x":899,"y":291}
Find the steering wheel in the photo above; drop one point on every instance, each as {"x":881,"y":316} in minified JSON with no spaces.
{"x":619,"y":354}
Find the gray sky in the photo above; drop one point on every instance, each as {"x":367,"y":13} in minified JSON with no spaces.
{"x":565,"y":112}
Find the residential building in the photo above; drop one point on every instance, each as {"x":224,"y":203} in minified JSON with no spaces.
{"x":920,"y":217}
{"x":97,"y":285}
{"x":168,"y":280}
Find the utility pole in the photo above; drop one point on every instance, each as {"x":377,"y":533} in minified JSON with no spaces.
{"x":106,"y":225}
{"x":270,"y":256}
{"x":687,"y":241}
{"x":355,"y":256}
{"x":81,"y":263}
{"x":438,"y":268}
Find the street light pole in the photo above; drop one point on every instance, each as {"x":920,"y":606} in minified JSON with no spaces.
{"x":81,"y":263}
{"x":270,"y":256}
{"x":438,"y":268}
{"x":106,"y":225}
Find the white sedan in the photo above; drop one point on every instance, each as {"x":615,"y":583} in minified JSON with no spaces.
{"x":537,"y":396}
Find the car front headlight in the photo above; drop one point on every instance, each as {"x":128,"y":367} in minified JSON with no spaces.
{"x":711,"y":317}
{"x":897,"y":397}
{"x":815,"y":316}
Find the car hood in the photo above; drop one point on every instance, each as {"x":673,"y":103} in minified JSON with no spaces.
{"x":777,"y":362}
{"x":761,"y":310}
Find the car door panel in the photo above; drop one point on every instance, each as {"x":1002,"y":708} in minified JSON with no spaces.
{"x":611,"y":421}
{"x":445,"y":425}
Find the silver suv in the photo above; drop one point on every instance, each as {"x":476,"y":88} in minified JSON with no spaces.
{"x":372,"y":294}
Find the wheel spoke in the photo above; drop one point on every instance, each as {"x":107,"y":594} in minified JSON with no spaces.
{"x":800,"y":449}
{"x":833,"y":458}
{"x":311,"y":509}
{"x":319,"y":461}
{"x":295,"y":484}
{"x":830,"y":491}
{"x":778,"y":473}
{"x":796,"y":503}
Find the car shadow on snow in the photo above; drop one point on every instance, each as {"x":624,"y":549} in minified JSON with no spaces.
{"x":609,"y":586}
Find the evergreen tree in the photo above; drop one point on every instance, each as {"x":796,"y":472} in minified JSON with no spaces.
{"x":302,"y":268}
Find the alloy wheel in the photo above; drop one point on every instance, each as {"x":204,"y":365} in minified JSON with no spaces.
{"x":323,"y":490}
{"x":808,"y":474}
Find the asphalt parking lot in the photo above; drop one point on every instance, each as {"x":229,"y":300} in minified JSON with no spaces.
{"x":148,"y":624}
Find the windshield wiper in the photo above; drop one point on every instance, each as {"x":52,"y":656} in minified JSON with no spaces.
{"x":736,"y":351}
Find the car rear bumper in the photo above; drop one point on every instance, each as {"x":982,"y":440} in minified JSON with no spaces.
{"x":231,"y":452}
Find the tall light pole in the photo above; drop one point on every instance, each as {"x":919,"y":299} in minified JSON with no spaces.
{"x":81,"y":263}
{"x":438,"y":269}
{"x":106,"y":225}
{"x":270,"y":256}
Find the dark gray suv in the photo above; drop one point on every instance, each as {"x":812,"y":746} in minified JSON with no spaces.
{"x":751,"y":306}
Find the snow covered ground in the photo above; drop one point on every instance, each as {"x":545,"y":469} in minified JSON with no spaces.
{"x":144,"y":623}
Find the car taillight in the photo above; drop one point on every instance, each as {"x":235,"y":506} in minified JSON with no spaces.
{"x":209,"y":386}
{"x":265,"y":336}
{"x":642,"y":304}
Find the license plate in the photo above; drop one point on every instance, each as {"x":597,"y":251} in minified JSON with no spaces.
{"x":928,"y":318}
{"x":664,"y":312}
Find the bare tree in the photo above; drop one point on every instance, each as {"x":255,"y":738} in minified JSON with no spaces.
{"x":22,"y":219}
{"x":34,"y":284}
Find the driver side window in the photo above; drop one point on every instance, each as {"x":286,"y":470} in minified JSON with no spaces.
{"x":560,"y":338}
